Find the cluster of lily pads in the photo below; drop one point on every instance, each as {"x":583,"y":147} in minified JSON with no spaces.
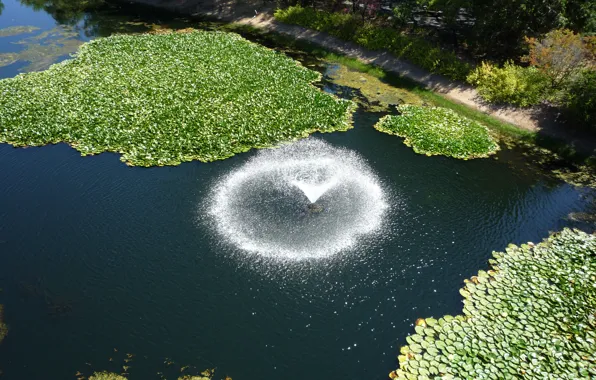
{"x":533,"y":315}
{"x":439,"y":131}
{"x":162,"y":99}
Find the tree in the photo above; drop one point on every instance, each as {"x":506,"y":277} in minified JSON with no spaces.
{"x":499,"y":26}
{"x":561,"y":55}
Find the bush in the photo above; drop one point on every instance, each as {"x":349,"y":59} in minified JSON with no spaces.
{"x":341,"y":25}
{"x":436,"y":130}
{"x":348,"y":27}
{"x":560,"y":56}
{"x":580,"y":101}
{"x":522,"y":86}
{"x":531,"y":316}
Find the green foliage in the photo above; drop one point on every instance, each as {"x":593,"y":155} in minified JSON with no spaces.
{"x":416,"y":50}
{"x":580,"y":100}
{"x":522,"y":86}
{"x":341,"y":25}
{"x":169,"y":98}
{"x":531,"y":316}
{"x":439,"y":131}
{"x":500,"y":25}
{"x":560,"y":56}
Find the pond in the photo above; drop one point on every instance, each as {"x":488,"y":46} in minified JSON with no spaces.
{"x":105,"y":266}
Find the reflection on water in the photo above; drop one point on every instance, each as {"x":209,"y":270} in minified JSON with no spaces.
{"x":65,"y":12}
{"x":44,"y":49}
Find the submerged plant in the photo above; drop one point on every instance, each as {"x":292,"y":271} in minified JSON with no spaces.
{"x":436,"y":130}
{"x":3,"y":327}
{"x":533,"y":315}
{"x":163,"y":99}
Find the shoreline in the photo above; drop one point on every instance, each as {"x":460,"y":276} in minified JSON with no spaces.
{"x":539,"y":120}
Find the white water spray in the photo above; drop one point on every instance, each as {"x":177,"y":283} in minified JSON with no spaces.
{"x":314,"y":191}
{"x":300,"y":201}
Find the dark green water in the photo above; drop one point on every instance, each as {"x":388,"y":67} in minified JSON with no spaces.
{"x":97,"y":256}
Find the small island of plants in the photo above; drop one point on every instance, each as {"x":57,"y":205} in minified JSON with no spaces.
{"x":439,"y":131}
{"x":531,"y":316}
{"x":163,"y":99}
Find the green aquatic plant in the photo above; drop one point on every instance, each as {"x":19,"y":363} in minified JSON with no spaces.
{"x":163,"y":99}
{"x":379,"y":95}
{"x":436,"y":130}
{"x":533,"y":315}
{"x":106,"y":376}
{"x":44,"y":49}
{"x":16,"y":30}
{"x":3,"y":327}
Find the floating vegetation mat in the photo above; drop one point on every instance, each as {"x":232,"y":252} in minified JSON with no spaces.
{"x":439,"y":131}
{"x":106,"y":376}
{"x":162,"y":99}
{"x":16,"y":30}
{"x":379,"y":95}
{"x":43,"y":49}
{"x":532,"y":316}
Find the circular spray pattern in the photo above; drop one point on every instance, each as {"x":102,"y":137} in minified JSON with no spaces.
{"x":301,"y":201}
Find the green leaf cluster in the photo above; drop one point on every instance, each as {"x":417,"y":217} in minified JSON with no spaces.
{"x":531,"y":316}
{"x":348,"y":27}
{"x":163,"y":99}
{"x":579,"y":102}
{"x":522,"y":86}
{"x":439,"y":131}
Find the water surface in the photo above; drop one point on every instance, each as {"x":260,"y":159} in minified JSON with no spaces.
{"x":96,"y":256}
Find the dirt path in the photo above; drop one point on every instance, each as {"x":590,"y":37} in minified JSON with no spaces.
{"x":539,"y":119}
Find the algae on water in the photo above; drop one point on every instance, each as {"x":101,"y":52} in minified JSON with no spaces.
{"x":3,"y":327}
{"x":163,"y":99}
{"x":16,"y":30}
{"x":379,"y":95}
{"x":44,"y":49}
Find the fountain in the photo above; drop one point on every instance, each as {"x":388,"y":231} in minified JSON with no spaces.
{"x":301,"y":201}
{"x":314,"y":191}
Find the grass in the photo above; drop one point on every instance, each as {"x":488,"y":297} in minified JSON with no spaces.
{"x":530,"y":316}
{"x":439,"y":131}
{"x":163,"y":99}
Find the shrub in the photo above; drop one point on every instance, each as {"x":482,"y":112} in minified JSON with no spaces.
{"x":531,"y":316}
{"x":169,"y":98}
{"x":436,"y":130}
{"x":341,"y":25}
{"x":416,"y":50}
{"x":522,"y":86}
{"x":580,"y":100}
{"x":560,"y":55}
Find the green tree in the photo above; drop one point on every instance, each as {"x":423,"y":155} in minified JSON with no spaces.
{"x":560,"y":55}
